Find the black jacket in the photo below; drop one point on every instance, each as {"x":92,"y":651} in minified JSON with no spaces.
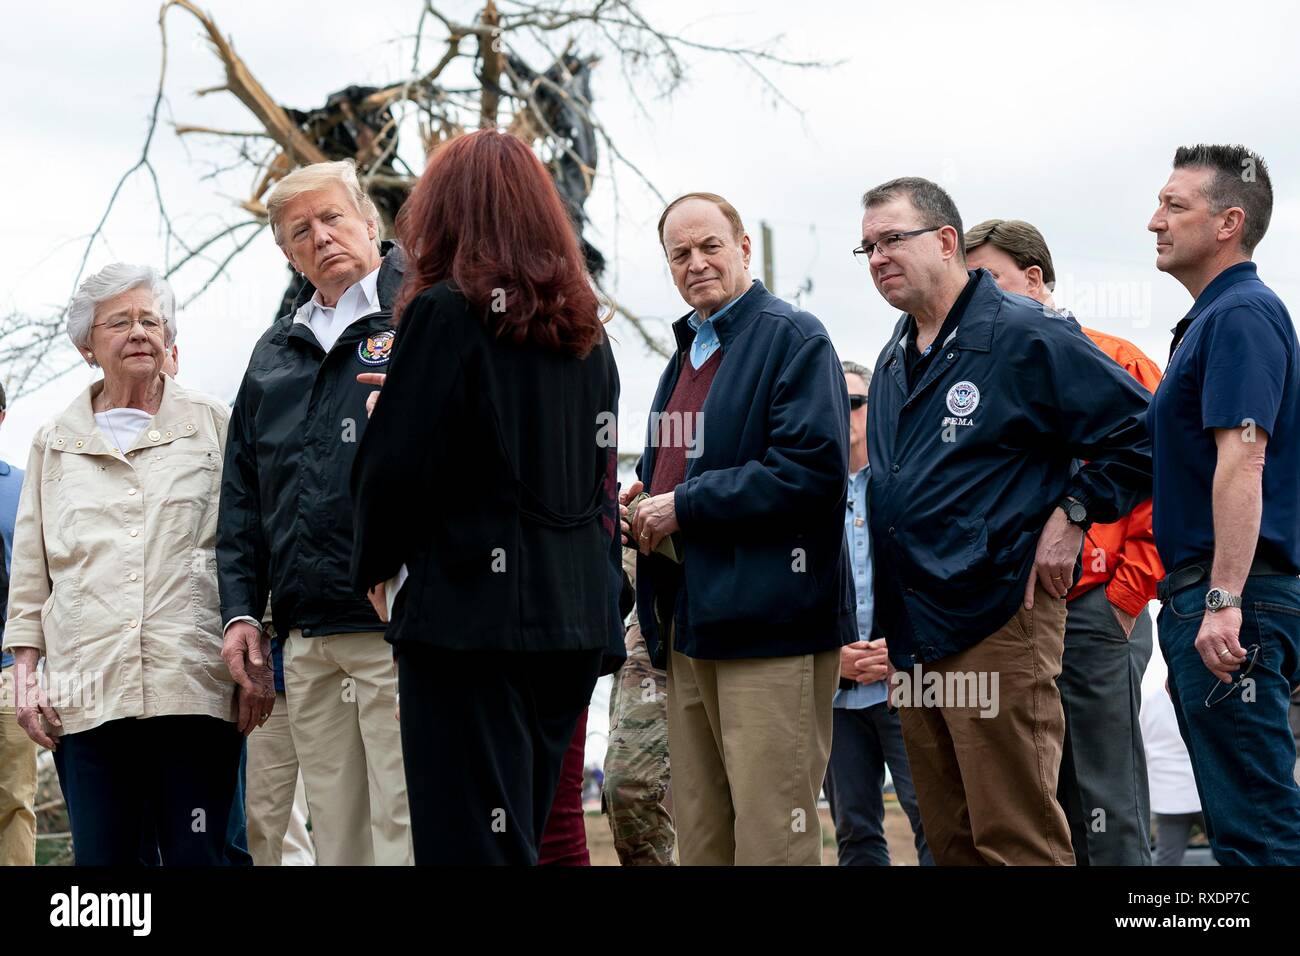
{"x":285,"y":520}
{"x":967,"y":466}
{"x":490,"y":470}
{"x":761,"y":510}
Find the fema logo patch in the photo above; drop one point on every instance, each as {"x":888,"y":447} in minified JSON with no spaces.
{"x":963,"y":398}
{"x":376,"y":349}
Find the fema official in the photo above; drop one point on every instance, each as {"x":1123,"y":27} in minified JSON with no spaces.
{"x":1225,"y":429}
{"x":1103,"y":782}
{"x":285,"y":522}
{"x":743,"y":584}
{"x":978,"y":409}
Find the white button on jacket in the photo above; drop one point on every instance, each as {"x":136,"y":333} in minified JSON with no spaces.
{"x":86,"y":514}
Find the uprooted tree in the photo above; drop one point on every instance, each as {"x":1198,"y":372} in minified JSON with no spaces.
{"x":483,"y":72}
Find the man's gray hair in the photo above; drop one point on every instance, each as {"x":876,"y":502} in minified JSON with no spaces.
{"x":930,"y":199}
{"x":313,"y":178}
{"x":861,"y":371}
{"x":113,"y":280}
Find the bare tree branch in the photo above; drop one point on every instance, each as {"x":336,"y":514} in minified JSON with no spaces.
{"x":363,"y":123}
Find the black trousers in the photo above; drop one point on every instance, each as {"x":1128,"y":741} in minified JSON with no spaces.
{"x":864,"y":740}
{"x":141,"y":790}
{"x":483,"y":738}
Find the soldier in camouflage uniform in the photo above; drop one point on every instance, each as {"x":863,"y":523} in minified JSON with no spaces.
{"x":636,"y":763}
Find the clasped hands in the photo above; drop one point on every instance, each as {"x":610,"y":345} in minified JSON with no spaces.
{"x":655,"y":518}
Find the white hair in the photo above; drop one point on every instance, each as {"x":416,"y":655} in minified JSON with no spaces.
{"x":313,"y":178}
{"x":113,"y":280}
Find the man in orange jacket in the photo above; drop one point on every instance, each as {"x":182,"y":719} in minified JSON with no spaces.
{"x":1103,"y":782}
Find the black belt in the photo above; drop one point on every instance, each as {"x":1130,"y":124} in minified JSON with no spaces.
{"x":1192,"y":574}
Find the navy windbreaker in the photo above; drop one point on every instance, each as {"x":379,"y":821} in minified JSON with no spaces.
{"x":967,"y":466}
{"x":766,"y":572}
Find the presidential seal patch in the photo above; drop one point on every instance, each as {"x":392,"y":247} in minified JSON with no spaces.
{"x":376,"y":349}
{"x":963,"y":398}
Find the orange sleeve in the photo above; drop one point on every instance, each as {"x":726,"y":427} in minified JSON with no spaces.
{"x":1139,"y":567}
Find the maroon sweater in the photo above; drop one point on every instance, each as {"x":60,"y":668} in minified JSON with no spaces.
{"x":680,"y":423}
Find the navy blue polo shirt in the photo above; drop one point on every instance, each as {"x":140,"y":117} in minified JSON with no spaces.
{"x":1236,"y":361}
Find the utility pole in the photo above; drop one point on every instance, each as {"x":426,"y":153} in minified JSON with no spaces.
{"x":769,"y":266}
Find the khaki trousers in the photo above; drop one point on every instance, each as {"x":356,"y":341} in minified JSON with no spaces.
{"x":342,"y":695}
{"x":986,"y":785}
{"x":749,"y":741}
{"x":17,"y":782}
{"x":273,"y":791}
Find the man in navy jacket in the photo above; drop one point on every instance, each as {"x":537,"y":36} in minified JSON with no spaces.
{"x":746,"y":463}
{"x":979,"y":409}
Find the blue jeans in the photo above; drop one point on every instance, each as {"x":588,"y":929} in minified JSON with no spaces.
{"x":863,"y":741}
{"x":1243,"y":754}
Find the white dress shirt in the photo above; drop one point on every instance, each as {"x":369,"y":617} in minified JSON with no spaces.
{"x":327,"y":324}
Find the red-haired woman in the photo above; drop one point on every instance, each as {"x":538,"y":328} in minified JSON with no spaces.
{"x":488,"y":475}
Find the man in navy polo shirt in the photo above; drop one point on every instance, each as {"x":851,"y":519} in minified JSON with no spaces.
{"x":1225,"y":428}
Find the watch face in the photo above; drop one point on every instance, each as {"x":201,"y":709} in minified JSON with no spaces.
{"x":1078,"y":512}
{"x":1214,"y":599}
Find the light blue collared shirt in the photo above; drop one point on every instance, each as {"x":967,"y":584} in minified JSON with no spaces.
{"x":706,"y":335}
{"x":11,"y":486}
{"x":858,"y":538}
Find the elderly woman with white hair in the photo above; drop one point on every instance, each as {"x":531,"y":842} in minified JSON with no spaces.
{"x":114,"y":585}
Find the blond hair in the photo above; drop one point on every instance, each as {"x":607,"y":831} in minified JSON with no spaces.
{"x":313,"y":178}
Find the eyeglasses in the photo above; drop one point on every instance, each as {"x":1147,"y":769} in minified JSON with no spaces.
{"x":857,"y":401}
{"x":123,"y":326}
{"x":1221,"y":691}
{"x":888,"y":244}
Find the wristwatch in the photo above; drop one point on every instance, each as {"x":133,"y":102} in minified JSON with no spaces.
{"x":1216,"y":599}
{"x":1075,"y":513}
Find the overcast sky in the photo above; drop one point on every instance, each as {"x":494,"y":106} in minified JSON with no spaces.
{"x":1063,"y":114}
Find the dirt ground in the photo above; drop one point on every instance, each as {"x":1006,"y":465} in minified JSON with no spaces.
{"x":897,"y":831}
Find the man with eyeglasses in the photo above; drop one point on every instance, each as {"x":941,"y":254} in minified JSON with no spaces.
{"x":1225,"y":429}
{"x":867,"y":735}
{"x":977,"y":411}
{"x":1103,"y":784}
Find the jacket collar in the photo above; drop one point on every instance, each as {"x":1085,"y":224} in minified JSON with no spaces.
{"x":727,"y":324}
{"x":974,"y":332}
{"x":76,"y":431}
{"x":392,"y":270}
{"x":368,"y":287}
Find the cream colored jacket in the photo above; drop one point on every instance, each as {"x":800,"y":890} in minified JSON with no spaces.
{"x":114,"y":573}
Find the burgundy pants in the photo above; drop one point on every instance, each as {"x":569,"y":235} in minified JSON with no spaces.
{"x":564,"y":841}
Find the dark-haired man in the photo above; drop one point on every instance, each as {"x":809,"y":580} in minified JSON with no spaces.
{"x":978,"y":408}
{"x":1103,"y":783}
{"x":1225,"y":428}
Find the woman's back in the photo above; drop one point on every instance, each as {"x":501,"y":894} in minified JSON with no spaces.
{"x":505,"y":508}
